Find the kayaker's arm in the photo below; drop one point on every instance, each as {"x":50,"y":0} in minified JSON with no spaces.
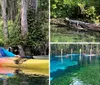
{"x":7,"y":53}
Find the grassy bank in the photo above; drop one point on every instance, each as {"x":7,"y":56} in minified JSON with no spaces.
{"x":62,"y":34}
{"x":58,"y":37}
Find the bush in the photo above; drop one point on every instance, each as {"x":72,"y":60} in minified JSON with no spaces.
{"x":1,"y":43}
{"x":37,"y":31}
{"x":75,"y":9}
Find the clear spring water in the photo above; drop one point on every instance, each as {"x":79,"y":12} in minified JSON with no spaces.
{"x":58,"y":68}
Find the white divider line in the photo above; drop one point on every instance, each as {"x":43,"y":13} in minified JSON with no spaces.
{"x":49,"y":40}
{"x":74,"y":42}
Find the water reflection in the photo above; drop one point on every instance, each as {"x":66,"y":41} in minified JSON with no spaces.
{"x":72,"y":61}
{"x":19,"y":76}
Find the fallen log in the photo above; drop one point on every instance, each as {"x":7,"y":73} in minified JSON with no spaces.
{"x":58,"y":22}
{"x":79,"y":25}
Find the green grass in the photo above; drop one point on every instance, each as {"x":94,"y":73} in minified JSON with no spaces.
{"x":59,"y":37}
{"x":63,"y":34}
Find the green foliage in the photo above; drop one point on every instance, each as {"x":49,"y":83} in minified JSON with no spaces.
{"x":78,"y":9}
{"x":14,"y":32}
{"x":36,"y":34}
{"x":89,"y":12}
{"x":63,"y":8}
{"x":1,"y":33}
{"x":43,"y":4}
{"x":1,"y":42}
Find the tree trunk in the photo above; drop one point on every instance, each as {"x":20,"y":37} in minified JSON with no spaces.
{"x":24,"y":26}
{"x":4,"y":15}
{"x":21,"y":51}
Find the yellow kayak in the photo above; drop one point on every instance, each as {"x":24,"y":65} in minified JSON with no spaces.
{"x":27,"y":64}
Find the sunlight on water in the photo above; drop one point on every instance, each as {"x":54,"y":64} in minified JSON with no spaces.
{"x":76,"y":82}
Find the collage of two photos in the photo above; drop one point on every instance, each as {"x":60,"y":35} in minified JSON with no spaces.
{"x":49,"y":42}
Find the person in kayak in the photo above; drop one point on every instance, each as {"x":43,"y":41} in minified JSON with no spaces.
{"x":20,"y":57}
{"x":6,"y":53}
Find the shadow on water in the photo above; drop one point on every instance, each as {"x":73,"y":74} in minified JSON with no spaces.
{"x":80,"y":73}
{"x":13,"y":76}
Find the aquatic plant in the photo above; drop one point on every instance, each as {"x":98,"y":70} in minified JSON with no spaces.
{"x":22,"y":79}
{"x":87,"y":74}
{"x":90,"y":74}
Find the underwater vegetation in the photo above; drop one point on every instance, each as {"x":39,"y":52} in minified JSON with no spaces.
{"x":23,"y":79}
{"x":83,"y":75}
{"x":90,"y":74}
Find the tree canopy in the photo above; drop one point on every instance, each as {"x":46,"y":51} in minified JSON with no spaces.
{"x":36,"y":36}
{"x":87,"y":9}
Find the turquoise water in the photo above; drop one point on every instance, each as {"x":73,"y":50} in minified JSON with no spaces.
{"x":73,"y":70}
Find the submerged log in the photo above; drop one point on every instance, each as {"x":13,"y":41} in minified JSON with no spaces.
{"x":79,"y":25}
